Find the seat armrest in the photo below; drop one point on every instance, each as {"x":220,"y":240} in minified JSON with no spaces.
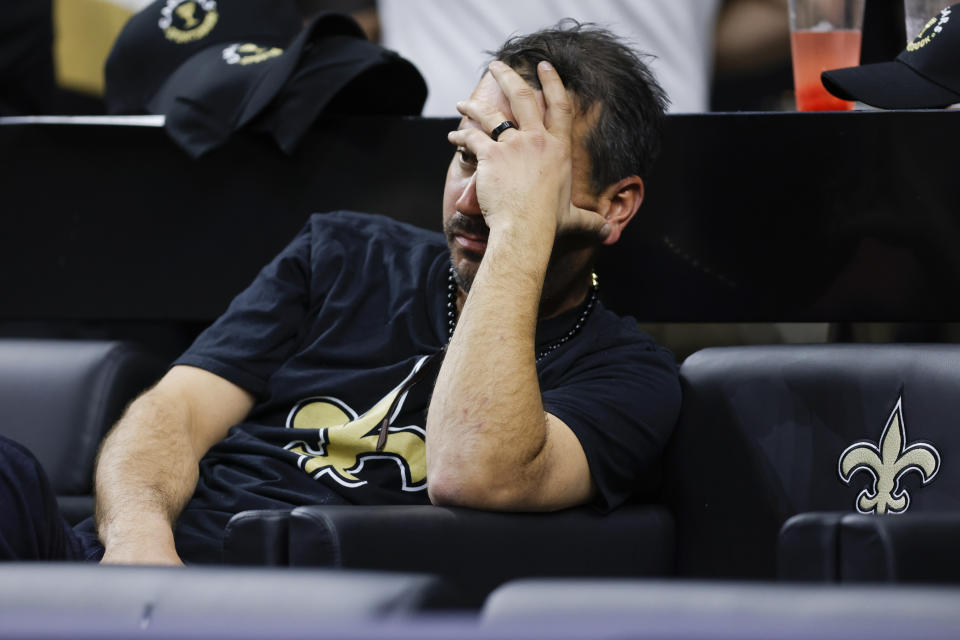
{"x":852,"y":547}
{"x":808,"y":547}
{"x":475,"y":551}
{"x":906,"y":548}
{"x":258,"y":538}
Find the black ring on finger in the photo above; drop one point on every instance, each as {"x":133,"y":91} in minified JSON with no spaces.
{"x":500,"y":128}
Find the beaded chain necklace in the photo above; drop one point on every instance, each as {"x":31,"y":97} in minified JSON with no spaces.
{"x":433,"y":362}
{"x":547,"y":350}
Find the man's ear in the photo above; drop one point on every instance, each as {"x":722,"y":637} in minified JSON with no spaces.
{"x":621,"y":200}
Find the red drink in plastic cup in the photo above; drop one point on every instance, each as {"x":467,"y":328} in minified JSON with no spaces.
{"x":815,"y":52}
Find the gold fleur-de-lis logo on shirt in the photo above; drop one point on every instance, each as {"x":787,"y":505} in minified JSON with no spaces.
{"x":346,"y":440}
{"x":888,"y":463}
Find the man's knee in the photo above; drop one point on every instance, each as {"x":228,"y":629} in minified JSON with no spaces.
{"x":21,"y":470}
{"x":31,"y":527}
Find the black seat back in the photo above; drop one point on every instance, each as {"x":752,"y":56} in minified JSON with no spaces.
{"x":769,"y":432}
{"x":59,"y":397}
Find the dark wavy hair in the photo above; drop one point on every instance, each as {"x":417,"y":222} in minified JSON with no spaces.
{"x":599,"y":69}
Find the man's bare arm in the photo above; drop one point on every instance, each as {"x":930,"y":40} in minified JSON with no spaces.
{"x":490,"y":443}
{"x":147,"y":468}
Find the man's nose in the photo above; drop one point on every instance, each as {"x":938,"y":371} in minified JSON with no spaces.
{"x":467,"y":203}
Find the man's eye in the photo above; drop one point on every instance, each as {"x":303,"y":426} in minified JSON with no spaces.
{"x":466,"y":157}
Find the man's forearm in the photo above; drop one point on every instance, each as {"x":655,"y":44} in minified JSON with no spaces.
{"x":146,"y":472}
{"x":490,"y":444}
{"x":486,"y":425}
{"x":148,"y":466}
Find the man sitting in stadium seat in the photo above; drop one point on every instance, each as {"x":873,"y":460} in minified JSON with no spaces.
{"x":313,"y":386}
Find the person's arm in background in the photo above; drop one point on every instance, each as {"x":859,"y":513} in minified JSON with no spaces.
{"x":369,"y":21}
{"x":147,"y":468}
{"x":752,"y":34}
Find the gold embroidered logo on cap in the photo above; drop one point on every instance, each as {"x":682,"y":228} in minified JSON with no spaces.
{"x":249,"y":53}
{"x":888,"y":463}
{"x":931,"y":30}
{"x":185,"y":21}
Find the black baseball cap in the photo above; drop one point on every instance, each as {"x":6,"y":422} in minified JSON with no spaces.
{"x":926,"y":75}
{"x":282,"y":90}
{"x":161,"y":37}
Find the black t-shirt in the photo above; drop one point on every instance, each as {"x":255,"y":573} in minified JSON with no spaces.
{"x":326,"y":336}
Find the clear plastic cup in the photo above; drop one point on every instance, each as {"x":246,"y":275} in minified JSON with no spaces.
{"x":824,"y":35}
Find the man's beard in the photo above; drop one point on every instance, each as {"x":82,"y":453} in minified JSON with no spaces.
{"x":462,"y":281}
{"x":558,"y":273}
{"x":469,"y":225}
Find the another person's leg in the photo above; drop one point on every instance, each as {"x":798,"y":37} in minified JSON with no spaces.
{"x":31,"y":527}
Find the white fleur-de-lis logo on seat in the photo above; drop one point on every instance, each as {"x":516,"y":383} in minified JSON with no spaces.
{"x":888,"y":463}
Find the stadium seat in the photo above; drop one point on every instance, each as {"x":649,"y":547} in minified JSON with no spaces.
{"x":713,"y":610}
{"x":766,"y":433}
{"x":59,"y":397}
{"x":40,"y":600}
{"x":473,"y":551}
